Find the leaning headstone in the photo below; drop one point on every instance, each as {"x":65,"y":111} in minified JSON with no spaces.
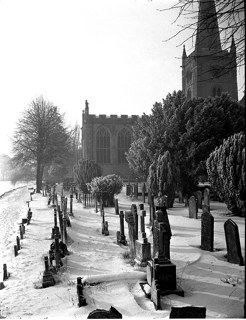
{"x":234,"y":254}
{"x":207,"y":232}
{"x":206,"y":198}
{"x":105,"y":314}
{"x":193,"y":210}
{"x":188,"y":312}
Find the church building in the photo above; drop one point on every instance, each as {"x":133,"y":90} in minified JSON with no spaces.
{"x":209,"y":70}
{"x":106,"y":139}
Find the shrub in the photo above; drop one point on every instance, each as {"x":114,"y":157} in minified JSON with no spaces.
{"x":226,"y":172}
{"x":105,"y":187}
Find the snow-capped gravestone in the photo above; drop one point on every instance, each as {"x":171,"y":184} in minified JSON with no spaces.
{"x":193,"y":209}
{"x":207,"y":232}
{"x":120,"y":235}
{"x":206,"y":199}
{"x":234,"y":254}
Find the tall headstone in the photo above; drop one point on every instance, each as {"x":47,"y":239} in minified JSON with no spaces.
{"x":206,"y":198}
{"x":198,"y":195}
{"x":121,"y":234}
{"x":207,"y":232}
{"x":193,"y":210}
{"x":234,"y":254}
{"x":131,"y":232}
{"x":116,"y":206}
{"x":142,"y":215}
{"x":135,"y":218}
{"x":143,"y":192}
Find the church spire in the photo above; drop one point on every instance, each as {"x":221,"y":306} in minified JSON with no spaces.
{"x":207,"y":36}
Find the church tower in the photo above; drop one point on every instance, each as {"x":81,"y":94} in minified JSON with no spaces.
{"x":209,"y":70}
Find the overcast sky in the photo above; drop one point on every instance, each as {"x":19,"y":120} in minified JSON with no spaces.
{"x":111,"y":52}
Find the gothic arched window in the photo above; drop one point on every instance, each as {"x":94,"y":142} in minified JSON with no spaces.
{"x":124,"y":143}
{"x":216,"y":91}
{"x":103,"y":146}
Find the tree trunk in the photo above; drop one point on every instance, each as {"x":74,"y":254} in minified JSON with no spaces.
{"x":39,"y":176}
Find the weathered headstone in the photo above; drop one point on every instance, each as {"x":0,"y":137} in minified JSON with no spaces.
{"x":143,"y":193}
{"x":128,"y":190}
{"x":142,"y":215}
{"x":120,"y":235}
{"x":135,"y":217}
{"x":155,"y":294}
{"x":207,"y":232}
{"x":48,"y":279}
{"x":198,"y":195}
{"x":143,"y":251}
{"x":190,"y":312}
{"x":206,"y":198}
{"x":116,"y":206}
{"x":81,"y":298}
{"x":234,"y":254}
{"x":131,"y":232}
{"x":135,"y":190}
{"x":193,"y":210}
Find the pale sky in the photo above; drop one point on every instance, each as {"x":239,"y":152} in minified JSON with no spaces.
{"x":110,"y":52}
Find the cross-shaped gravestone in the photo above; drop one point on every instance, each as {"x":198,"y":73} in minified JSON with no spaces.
{"x":207,"y":232}
{"x":234,"y":254}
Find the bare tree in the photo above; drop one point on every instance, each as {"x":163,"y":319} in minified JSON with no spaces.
{"x":40,"y":137}
{"x":231,"y":23}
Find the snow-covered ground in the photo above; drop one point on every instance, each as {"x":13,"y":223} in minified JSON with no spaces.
{"x":206,"y":278}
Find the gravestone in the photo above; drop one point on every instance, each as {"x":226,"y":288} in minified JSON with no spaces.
{"x":193,"y":210}
{"x":135,"y":190}
{"x":155,"y":294}
{"x":143,"y":251}
{"x":141,"y":206}
{"x":190,"y":312}
{"x":234,"y":254}
{"x":143,"y":193}
{"x":131,"y":232}
{"x":128,"y":189}
{"x":81,"y":298}
{"x":142,"y":215}
{"x":198,"y":195}
{"x":116,"y":206}
{"x":135,"y":217}
{"x":207,"y":232}
{"x":120,"y":235}
{"x":206,"y":198}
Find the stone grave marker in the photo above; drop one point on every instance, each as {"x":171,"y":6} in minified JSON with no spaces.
{"x":234,"y":254}
{"x":207,"y":232}
{"x":155,"y":294}
{"x":131,"y":232}
{"x":143,"y":192}
{"x":135,"y":217}
{"x":206,"y":198}
{"x":193,"y":210}
{"x":198,"y":195}
{"x":116,"y":206}
{"x":121,"y":234}
{"x":142,"y":215}
{"x":143,"y":251}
